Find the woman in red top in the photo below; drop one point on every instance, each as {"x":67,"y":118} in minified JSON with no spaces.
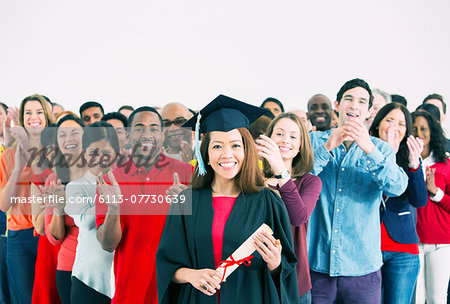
{"x":59,"y":227}
{"x":15,"y":177}
{"x":433,"y":220}
{"x":287,"y":152}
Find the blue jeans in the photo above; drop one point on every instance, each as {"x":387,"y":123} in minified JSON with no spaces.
{"x":399,"y":276}
{"x":21,"y":259}
{"x":306,"y":298}
{"x":4,"y":278}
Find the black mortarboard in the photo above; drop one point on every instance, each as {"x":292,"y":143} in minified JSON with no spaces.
{"x":222,"y":114}
{"x":225,"y":114}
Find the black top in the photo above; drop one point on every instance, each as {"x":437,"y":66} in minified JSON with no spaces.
{"x":187,"y":242}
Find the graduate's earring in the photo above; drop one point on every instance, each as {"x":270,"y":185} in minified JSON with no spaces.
{"x":209,"y":164}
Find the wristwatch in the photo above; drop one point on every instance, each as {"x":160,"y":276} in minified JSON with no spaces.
{"x":284,"y":174}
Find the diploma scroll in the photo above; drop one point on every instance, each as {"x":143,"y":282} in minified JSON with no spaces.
{"x":242,"y":255}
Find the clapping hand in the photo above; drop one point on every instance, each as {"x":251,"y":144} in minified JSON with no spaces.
{"x":109,"y":193}
{"x":415,"y":147}
{"x":431,"y":184}
{"x":56,"y":190}
{"x":268,"y":149}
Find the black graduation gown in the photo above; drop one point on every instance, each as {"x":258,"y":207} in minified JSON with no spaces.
{"x":187,"y":242}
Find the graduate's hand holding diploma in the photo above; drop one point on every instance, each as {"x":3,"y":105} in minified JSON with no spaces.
{"x":206,"y":280}
{"x":268,"y":248}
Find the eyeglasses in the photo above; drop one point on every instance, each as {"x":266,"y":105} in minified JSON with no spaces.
{"x":178,"y":122}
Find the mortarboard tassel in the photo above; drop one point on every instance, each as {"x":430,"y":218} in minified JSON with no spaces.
{"x":200,"y":164}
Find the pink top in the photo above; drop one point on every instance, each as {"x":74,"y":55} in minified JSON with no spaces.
{"x":222,"y":208}
{"x":66,"y":255}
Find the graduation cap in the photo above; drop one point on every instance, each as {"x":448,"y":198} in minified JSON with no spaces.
{"x":222,"y":114}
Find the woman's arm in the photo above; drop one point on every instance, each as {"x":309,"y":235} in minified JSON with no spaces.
{"x":38,"y":214}
{"x":300,"y":202}
{"x":417,"y":188}
{"x":11,"y":168}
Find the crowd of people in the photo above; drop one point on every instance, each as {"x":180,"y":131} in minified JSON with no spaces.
{"x":346,"y":202}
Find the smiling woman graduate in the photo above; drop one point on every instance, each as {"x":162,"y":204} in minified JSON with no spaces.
{"x":229,"y":202}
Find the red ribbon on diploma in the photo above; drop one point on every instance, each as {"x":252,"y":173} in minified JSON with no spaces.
{"x":225,"y":264}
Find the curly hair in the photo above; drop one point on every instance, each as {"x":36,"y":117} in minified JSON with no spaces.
{"x":437,"y":138}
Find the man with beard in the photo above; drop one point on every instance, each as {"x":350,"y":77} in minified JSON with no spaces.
{"x":131,"y":207}
{"x":177,"y":141}
{"x":319,"y":112}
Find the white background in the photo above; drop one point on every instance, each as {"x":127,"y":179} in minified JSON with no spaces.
{"x":155,"y":52}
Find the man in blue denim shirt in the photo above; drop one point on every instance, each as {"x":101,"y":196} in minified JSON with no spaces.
{"x":344,"y":229}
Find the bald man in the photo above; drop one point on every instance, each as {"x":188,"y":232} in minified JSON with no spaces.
{"x":319,"y":112}
{"x":177,"y":141}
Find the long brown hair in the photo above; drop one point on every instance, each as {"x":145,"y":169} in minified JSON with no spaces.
{"x":303,"y":162}
{"x":47,"y":112}
{"x":249,"y":179}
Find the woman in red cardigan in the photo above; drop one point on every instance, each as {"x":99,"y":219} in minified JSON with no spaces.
{"x":433,"y":220}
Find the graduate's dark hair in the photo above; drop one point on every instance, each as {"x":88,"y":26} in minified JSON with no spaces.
{"x":354,"y":83}
{"x":402,"y":154}
{"x":143,"y":109}
{"x":100,"y":130}
{"x":62,"y":167}
{"x":271,"y":99}
{"x":303,"y":162}
{"x":437,"y":138}
{"x":249,"y":179}
{"x":259,"y":126}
